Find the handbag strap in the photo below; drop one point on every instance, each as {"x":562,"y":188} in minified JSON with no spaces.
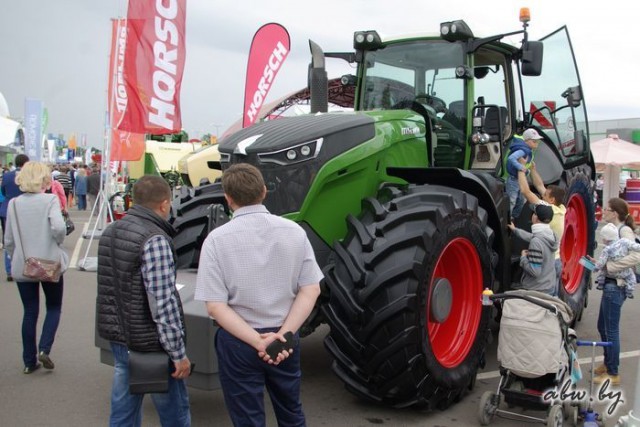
{"x":15,"y":214}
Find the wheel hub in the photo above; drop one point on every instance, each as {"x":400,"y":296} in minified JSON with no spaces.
{"x":441,"y":300}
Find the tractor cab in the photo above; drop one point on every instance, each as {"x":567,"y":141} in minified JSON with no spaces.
{"x":473,"y":93}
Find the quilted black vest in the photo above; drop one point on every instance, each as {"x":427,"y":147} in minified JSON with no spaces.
{"x":122,"y":308}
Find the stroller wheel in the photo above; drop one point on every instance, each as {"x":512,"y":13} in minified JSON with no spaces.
{"x":488,"y":405}
{"x":555,"y":417}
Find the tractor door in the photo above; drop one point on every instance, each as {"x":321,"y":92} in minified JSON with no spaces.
{"x":553,"y":104}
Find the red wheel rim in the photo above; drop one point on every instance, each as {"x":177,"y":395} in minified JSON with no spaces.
{"x":574,"y":243}
{"x":452,"y":340}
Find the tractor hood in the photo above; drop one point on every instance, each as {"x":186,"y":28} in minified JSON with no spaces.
{"x":290,"y":151}
{"x":284,"y":133}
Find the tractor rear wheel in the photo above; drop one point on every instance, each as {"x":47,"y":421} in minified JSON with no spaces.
{"x":193,"y":217}
{"x":407,"y":323}
{"x":577,"y":240}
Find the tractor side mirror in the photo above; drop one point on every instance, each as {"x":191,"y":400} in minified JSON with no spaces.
{"x":532,"y":58}
{"x":573,"y":95}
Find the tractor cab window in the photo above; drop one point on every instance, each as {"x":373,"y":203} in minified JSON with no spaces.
{"x":417,"y":75}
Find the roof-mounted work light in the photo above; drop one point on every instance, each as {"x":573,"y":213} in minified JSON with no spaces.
{"x":455,"y":30}
{"x":369,"y":40}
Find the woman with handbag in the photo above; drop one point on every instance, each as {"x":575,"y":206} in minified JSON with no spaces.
{"x":35,"y":231}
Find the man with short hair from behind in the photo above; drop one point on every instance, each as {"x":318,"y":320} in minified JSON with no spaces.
{"x":138,"y":305}
{"x":259,"y":278}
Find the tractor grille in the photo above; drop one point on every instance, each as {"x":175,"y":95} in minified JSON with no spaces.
{"x":287,"y":186}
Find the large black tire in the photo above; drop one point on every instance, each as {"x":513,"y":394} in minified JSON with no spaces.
{"x":193,"y":218}
{"x":386,"y":339}
{"x":578,"y":238}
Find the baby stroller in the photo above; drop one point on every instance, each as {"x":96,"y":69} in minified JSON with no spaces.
{"x":536,"y":352}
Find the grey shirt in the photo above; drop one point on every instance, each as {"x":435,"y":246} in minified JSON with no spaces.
{"x":538,"y":266}
{"x":256,"y":263}
{"x":42,"y":231}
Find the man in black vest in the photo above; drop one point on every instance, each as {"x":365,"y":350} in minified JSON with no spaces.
{"x":138,"y":305}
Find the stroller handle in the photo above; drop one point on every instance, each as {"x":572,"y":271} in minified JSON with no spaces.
{"x":498,"y":297}
{"x":582,"y":343}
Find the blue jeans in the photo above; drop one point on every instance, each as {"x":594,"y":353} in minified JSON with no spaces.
{"x":516,"y":199}
{"x":126,"y":408}
{"x":244,"y":376}
{"x":30,"y":296}
{"x":613,"y":297}
{"x":82,"y":202}
{"x":7,"y":262}
{"x":7,"y":258}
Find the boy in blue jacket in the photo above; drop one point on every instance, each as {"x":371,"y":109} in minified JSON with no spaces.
{"x":519,"y":158}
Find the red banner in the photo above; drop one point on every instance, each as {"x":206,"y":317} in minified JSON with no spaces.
{"x":153,"y":66}
{"x":124,"y":145}
{"x":269,"y":49}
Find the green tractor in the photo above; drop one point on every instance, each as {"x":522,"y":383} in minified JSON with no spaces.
{"x":404,"y":202}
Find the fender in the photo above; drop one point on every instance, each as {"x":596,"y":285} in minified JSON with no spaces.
{"x":488,"y":189}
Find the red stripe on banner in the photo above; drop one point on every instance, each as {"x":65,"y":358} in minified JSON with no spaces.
{"x":124,"y":145}
{"x":153,"y":66}
{"x":269,"y":48}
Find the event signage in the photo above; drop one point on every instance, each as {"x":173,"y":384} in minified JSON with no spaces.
{"x":33,"y":128}
{"x":269,"y":48}
{"x":125,"y":145}
{"x":153,"y":66}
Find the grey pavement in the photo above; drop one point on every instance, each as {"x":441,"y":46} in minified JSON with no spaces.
{"x":76,"y":392}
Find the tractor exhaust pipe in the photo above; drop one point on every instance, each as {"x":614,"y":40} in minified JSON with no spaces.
{"x":317,"y":80}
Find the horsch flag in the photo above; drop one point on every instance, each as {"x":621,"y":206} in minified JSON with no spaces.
{"x":124,"y":144}
{"x":153,"y":66}
{"x":269,"y":49}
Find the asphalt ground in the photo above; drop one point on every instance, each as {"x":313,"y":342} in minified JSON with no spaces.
{"x":76,"y":392}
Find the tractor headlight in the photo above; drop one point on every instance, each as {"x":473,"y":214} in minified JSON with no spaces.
{"x":480,"y":138}
{"x":295,"y":154}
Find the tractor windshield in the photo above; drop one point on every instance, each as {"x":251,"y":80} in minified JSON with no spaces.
{"x":401,"y":73}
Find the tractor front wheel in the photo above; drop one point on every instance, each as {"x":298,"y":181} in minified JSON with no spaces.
{"x":407,"y":323}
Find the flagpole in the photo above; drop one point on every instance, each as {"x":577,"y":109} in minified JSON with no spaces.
{"x":102,"y":201}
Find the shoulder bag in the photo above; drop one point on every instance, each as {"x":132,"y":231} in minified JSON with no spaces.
{"x":148,"y":372}
{"x":40,"y":269}
{"x":67,"y":221}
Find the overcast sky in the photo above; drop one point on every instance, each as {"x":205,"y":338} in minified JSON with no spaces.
{"x":57,"y":51}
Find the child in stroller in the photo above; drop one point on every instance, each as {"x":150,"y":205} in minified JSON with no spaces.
{"x":536,"y":352}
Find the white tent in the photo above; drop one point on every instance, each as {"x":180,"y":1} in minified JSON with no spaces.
{"x":8,"y":129}
{"x":611,"y":154}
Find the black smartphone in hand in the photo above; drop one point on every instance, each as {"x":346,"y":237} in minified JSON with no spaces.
{"x":277,"y":346}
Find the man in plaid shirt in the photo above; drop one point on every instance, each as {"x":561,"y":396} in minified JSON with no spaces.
{"x":138,"y":305}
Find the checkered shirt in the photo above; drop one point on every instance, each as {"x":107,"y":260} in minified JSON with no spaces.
{"x":158,"y":275}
